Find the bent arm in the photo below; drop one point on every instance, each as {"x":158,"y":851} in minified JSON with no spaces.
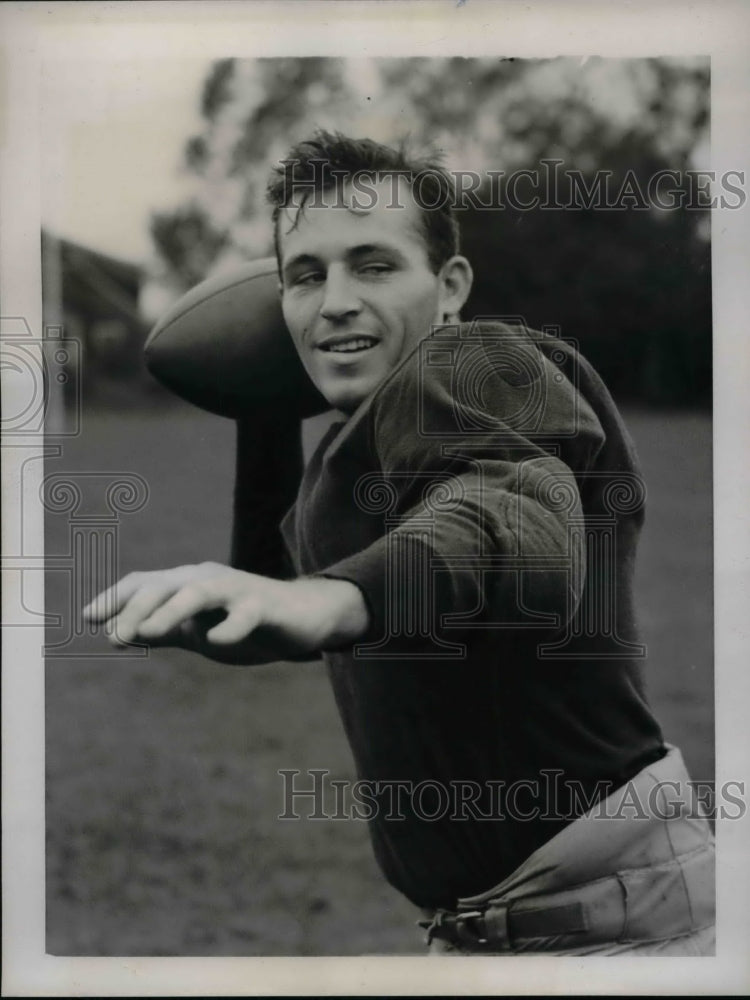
{"x":483,"y":509}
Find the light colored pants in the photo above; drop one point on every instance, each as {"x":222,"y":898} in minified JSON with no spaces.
{"x":638,"y":867}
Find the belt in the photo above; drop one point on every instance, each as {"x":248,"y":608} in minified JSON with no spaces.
{"x":500,"y":926}
{"x":637,"y":904}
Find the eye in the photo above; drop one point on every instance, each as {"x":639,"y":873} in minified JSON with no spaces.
{"x":376,"y":269}
{"x":309,"y":278}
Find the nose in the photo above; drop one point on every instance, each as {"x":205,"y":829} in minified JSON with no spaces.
{"x":340,"y":299}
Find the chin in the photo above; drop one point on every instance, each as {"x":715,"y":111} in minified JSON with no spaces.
{"x":344,"y":402}
{"x":346,"y":398}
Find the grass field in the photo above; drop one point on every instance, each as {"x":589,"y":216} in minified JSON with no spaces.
{"x":162,"y":784}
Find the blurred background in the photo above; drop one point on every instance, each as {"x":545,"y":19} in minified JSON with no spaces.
{"x":162,"y":785}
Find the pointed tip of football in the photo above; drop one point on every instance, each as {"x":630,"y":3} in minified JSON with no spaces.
{"x":224,"y":346}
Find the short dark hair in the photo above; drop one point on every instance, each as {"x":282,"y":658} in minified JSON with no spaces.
{"x":305,"y":167}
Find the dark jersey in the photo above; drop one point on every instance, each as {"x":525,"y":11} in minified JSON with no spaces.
{"x":487,"y":501}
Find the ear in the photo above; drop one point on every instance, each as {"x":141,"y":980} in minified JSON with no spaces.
{"x":456,"y":278}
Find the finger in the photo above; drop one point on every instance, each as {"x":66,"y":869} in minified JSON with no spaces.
{"x":127,"y":624}
{"x":242,"y":619}
{"x":185,"y":604}
{"x":109,"y":601}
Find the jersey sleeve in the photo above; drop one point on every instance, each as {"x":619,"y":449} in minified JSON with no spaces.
{"x":480,"y":442}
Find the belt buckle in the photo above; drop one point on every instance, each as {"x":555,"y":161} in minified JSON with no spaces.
{"x":459,"y":927}
{"x":462,"y":918}
{"x":496,"y":925}
{"x":434,"y":926}
{"x":441,"y":926}
{"x":449,"y":926}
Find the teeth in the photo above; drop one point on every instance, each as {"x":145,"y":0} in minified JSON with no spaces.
{"x":355,"y":344}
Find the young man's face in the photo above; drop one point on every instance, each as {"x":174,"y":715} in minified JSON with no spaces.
{"x":358,"y":293}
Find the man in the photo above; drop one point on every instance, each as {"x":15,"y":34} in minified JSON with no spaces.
{"x":464,"y":540}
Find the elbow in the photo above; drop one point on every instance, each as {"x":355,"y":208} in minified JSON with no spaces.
{"x":544,"y":597}
{"x":545,"y":585}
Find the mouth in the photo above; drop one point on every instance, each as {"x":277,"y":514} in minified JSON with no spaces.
{"x":348,"y":344}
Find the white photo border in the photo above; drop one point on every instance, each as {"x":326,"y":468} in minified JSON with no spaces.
{"x":33,"y":32}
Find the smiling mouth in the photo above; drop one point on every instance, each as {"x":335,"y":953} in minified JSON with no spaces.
{"x":348,"y":345}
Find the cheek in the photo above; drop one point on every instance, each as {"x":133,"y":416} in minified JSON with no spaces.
{"x":296,"y":321}
{"x":413,"y":307}
{"x":423,"y":312}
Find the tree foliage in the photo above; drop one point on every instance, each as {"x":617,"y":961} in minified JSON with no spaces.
{"x":633,"y":286}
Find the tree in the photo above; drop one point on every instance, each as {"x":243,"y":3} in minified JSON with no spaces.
{"x":633,"y":286}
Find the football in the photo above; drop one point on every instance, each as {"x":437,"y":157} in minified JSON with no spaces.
{"x":224,"y":346}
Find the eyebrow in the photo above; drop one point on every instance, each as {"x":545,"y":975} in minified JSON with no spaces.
{"x":363,"y":250}
{"x":299,"y":260}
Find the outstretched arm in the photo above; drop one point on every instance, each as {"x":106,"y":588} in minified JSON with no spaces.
{"x":229,"y":615}
{"x":480,"y":447}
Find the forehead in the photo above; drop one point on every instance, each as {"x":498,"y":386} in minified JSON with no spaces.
{"x":333,"y":221}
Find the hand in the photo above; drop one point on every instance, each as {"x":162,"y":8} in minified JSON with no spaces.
{"x":229,"y":615}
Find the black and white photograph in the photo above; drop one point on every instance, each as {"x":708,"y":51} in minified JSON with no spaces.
{"x":368,"y":509}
